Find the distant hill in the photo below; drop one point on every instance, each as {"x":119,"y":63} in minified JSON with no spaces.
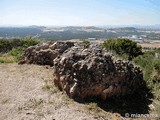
{"x":80,"y":32}
{"x":9,"y":32}
{"x":149,"y":27}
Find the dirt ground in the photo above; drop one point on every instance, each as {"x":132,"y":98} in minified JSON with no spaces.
{"x":27,"y":93}
{"x":150,"y":44}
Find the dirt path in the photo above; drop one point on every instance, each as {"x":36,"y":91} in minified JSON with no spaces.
{"x":27,"y":93}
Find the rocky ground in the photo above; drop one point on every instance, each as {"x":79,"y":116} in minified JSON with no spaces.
{"x":27,"y":93}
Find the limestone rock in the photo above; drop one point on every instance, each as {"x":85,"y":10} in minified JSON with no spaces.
{"x":44,"y":54}
{"x":91,"y":72}
{"x":85,"y":71}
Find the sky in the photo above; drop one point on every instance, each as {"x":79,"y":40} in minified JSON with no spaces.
{"x":79,"y":12}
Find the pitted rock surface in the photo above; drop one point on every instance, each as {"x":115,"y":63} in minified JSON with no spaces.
{"x":91,"y":72}
{"x":86,"y":71}
{"x":43,"y":54}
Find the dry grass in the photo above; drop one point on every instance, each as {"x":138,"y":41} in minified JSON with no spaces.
{"x":150,"y":44}
{"x":147,"y":45}
{"x":99,"y":113}
{"x":7,"y":59}
{"x":49,"y":86}
{"x":5,"y":100}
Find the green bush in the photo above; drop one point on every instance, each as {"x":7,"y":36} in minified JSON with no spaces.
{"x":16,"y":53}
{"x":123,"y":47}
{"x":11,"y":50}
{"x":7,"y":45}
{"x":151,"y":69}
{"x":29,"y":42}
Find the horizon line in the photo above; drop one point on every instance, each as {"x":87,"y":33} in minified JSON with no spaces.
{"x":128,"y":25}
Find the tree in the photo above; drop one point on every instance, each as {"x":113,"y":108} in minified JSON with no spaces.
{"x":29,"y":41}
{"x":123,"y":46}
{"x":5,"y":45}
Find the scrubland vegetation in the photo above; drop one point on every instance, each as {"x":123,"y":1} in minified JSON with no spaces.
{"x":11,"y":50}
{"x":151,"y":70}
{"x":123,"y":47}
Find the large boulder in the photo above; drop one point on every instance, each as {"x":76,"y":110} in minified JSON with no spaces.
{"x":92,"y":72}
{"x":44,"y":54}
{"x":85,"y":71}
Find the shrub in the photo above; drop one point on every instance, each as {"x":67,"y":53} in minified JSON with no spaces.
{"x":16,"y":53}
{"x":11,"y":50}
{"x":26,"y":42}
{"x":7,"y":45}
{"x":151,"y":69}
{"x":123,"y":47}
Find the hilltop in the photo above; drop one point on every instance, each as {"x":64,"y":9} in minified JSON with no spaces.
{"x":29,"y":92}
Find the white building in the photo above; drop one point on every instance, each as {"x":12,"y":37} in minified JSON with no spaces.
{"x":157,"y":55}
{"x":92,"y":38}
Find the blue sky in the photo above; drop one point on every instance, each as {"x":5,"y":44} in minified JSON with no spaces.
{"x":79,"y":12}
